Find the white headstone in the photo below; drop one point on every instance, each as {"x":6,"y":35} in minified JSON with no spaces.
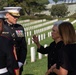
{"x":45,"y":47}
{"x":39,"y":55}
{"x":33,"y":58}
{"x":29,"y":41}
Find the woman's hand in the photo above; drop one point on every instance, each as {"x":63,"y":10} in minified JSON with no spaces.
{"x":48,"y":71}
{"x":36,"y":41}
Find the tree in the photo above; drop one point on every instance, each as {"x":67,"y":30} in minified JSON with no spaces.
{"x":59,"y":10}
{"x":32,"y":6}
{"x":5,"y":3}
{"x":2,"y":4}
{"x":18,"y":1}
{"x":29,"y":7}
{"x":55,"y":1}
{"x":42,"y":1}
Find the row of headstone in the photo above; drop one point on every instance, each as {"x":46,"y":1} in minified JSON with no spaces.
{"x":34,"y":22}
{"x":73,"y":22}
{"x":33,"y":53}
{"x":30,"y":23}
{"x":49,"y":34}
{"x":41,"y":30}
{"x":48,"y":27}
{"x":28,"y":33}
{"x":66,"y":19}
{"x":37,"y":31}
{"x":28,"y":20}
{"x":40,"y":37}
{"x":40,"y":25}
{"x":23,"y":21}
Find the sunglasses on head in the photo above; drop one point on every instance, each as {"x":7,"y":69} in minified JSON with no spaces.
{"x":14,"y":16}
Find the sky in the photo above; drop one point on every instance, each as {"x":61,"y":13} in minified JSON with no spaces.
{"x":51,"y":1}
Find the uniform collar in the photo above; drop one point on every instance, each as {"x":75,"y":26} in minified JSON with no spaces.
{"x":9,"y":24}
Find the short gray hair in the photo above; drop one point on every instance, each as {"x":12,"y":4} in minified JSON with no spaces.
{"x":58,"y":23}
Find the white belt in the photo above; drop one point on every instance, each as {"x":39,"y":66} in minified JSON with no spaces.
{"x":3,"y":70}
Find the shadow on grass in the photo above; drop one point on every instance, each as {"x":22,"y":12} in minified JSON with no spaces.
{"x":28,"y":74}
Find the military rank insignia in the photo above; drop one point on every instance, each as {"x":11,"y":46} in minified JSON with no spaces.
{"x":19,"y":33}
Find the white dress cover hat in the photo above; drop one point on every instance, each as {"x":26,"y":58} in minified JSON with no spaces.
{"x":13,"y":10}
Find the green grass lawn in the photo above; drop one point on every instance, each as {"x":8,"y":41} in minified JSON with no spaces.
{"x":38,"y":67}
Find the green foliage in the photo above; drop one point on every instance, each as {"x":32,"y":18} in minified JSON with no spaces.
{"x":59,"y":10}
{"x":55,"y":1}
{"x":3,"y":3}
{"x":36,"y":17}
{"x":32,"y":6}
{"x":29,"y":7}
{"x":43,"y":1}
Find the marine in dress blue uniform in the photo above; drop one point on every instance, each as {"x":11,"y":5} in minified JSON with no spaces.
{"x":7,"y":57}
{"x":16,"y":33}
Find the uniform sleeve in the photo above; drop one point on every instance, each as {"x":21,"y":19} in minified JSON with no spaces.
{"x":11,"y":61}
{"x":23,"y":47}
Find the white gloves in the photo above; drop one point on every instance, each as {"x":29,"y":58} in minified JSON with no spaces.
{"x":20,"y":64}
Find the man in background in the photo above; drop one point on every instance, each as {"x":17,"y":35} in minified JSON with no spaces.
{"x":16,"y":33}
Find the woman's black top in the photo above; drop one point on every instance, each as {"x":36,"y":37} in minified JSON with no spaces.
{"x":52,"y":51}
{"x":68,"y":58}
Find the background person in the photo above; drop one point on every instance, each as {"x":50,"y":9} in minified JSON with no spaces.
{"x":15,"y":32}
{"x":7,"y":57}
{"x":52,"y":49}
